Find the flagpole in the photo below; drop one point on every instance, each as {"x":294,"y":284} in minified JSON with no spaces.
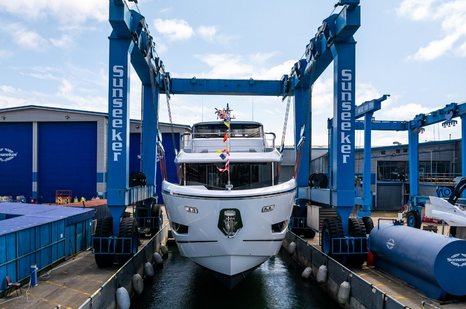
{"x":229,"y":185}
{"x":224,"y":114}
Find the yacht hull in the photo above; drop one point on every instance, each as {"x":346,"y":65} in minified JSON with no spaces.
{"x":210,"y":240}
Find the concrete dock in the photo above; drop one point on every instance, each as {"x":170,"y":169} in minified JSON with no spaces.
{"x":394,"y":287}
{"x":67,"y":285}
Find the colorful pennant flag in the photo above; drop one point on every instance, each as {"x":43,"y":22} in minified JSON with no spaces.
{"x":227,"y":167}
{"x":225,"y":153}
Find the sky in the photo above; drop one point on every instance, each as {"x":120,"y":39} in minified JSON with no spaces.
{"x":55,"y":53}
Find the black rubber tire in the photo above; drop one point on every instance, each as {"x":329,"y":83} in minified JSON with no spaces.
{"x":141,"y":214}
{"x":413,"y":219}
{"x":453,"y":231}
{"x":332,"y":228}
{"x":318,"y":180}
{"x":301,"y":213}
{"x":357,"y":228}
{"x":308,"y":233}
{"x":137,"y":179}
{"x":128,"y":228}
{"x":156,"y":214}
{"x":104,"y":228}
{"x":298,"y":211}
{"x":368,"y":223}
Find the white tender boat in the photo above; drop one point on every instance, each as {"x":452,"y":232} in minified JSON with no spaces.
{"x":229,"y":214}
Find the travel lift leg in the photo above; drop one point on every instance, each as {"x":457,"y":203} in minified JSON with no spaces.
{"x":463,"y":145}
{"x":302,"y":140}
{"x":367,"y":110}
{"x":334,"y":42}
{"x":129,"y":42}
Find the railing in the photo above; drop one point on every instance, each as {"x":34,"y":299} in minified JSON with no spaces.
{"x":349,"y":245}
{"x":148,"y":222}
{"x":438,"y":177}
{"x":298,"y":223}
{"x":112,"y":245}
{"x":267,"y":141}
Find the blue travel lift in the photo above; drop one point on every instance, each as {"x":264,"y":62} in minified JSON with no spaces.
{"x":131,"y":42}
{"x":446,"y":116}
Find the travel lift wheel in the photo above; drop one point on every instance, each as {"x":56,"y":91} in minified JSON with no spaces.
{"x":305,"y":232}
{"x":104,"y":228}
{"x":156,"y":214}
{"x":413,"y":219}
{"x":126,"y":248}
{"x":357,"y":228}
{"x":368,"y":224}
{"x":332,"y":228}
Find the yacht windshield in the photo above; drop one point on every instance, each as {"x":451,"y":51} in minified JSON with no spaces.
{"x":236,"y":130}
{"x":242,"y":175}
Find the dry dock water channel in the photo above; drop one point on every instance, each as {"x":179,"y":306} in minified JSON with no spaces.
{"x":179,"y":284}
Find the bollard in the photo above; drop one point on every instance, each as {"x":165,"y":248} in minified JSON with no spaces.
{"x":33,"y":281}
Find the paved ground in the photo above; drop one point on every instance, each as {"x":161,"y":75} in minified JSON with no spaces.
{"x":66,"y":286}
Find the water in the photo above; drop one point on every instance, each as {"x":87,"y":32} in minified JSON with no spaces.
{"x":276,"y":283}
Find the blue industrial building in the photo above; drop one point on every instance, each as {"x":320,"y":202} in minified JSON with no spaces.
{"x":45,"y":149}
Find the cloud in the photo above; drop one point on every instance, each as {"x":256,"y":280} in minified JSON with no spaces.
{"x":450,"y":15}
{"x":42,"y":73}
{"x":68,"y":86}
{"x":174,"y":29}
{"x":401,"y":112}
{"x":226,"y":66}
{"x":435,"y":49}
{"x":30,"y":39}
{"x":65,"y":11}
{"x":207,"y":33}
{"x":63,"y":42}
{"x":6,"y":89}
{"x":461,"y":51}
{"x":26,"y":38}
{"x":416,"y":9}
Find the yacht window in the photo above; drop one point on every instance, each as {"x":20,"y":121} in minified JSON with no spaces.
{"x":242,"y":175}
{"x":236,"y":130}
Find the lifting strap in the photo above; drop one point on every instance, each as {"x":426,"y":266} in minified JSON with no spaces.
{"x":167,"y":92}
{"x":285,"y":124}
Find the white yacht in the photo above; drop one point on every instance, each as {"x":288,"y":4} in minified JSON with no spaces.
{"x":228,"y":212}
